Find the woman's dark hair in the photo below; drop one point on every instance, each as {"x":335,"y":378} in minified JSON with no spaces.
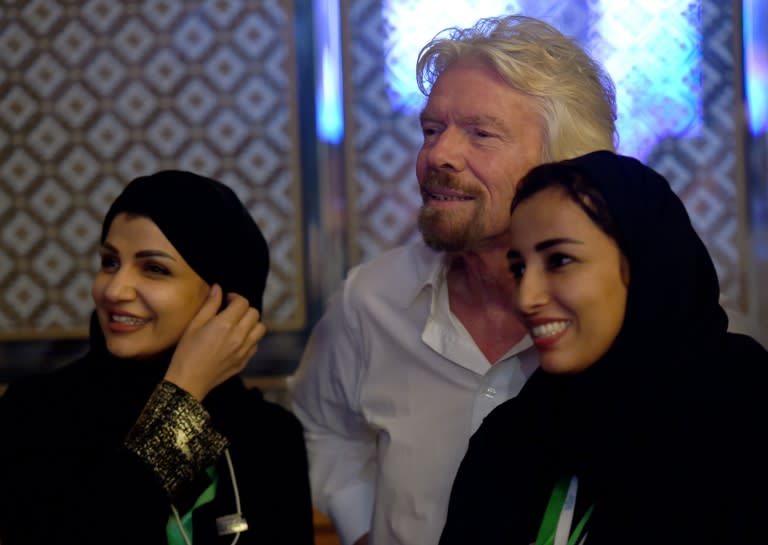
{"x":577,"y":185}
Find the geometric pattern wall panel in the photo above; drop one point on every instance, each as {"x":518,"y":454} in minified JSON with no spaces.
{"x":693,"y":138}
{"x":382,"y":140}
{"x":94,"y":93}
{"x":704,"y":168}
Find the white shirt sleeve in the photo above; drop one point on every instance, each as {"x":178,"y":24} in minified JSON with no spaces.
{"x":325,"y":396}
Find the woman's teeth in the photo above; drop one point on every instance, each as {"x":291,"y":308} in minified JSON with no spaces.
{"x":551,"y":328}
{"x":130,"y":320}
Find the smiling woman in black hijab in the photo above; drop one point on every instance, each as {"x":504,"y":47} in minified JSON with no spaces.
{"x":151,"y":437}
{"x":645,"y":422}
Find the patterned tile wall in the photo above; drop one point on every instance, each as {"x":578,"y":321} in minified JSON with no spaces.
{"x":383,"y":143}
{"x":94,"y":93}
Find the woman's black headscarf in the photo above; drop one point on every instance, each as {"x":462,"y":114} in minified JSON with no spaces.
{"x":641,"y":392}
{"x":70,"y":426}
{"x":206,"y":223}
{"x":674,"y":290}
{"x":660,"y":429}
{"x":673,"y":318}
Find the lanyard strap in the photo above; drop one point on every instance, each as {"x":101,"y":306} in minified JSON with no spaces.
{"x":178,"y":530}
{"x":558,"y":516}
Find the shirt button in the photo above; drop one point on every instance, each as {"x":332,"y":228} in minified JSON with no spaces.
{"x":490,"y":392}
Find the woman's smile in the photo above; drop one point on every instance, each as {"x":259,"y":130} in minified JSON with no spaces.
{"x":125,"y":323}
{"x":145,"y":292}
{"x":570,"y":288}
{"x":548,"y":333}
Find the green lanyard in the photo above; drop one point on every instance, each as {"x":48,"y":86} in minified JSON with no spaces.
{"x":172,"y":530}
{"x":559,"y":514}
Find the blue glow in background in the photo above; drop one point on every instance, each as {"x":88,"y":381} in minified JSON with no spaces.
{"x":653,"y":55}
{"x":756,"y":64}
{"x":329,"y":95}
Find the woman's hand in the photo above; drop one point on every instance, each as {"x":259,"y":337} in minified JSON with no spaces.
{"x":216,"y":345}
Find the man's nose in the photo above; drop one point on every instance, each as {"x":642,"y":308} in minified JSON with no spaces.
{"x":447,"y":151}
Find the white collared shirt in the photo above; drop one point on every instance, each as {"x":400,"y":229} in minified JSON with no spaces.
{"x":390,"y":388}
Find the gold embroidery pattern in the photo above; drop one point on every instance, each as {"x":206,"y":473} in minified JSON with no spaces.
{"x":174,"y":437}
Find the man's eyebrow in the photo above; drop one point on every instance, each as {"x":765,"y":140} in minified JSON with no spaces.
{"x":491,"y":120}
{"x":425,"y":116}
{"x":482,"y":120}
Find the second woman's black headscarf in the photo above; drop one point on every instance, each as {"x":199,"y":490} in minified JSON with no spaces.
{"x":673,"y":317}
{"x":674,"y":290}
{"x":648,"y":428}
{"x":673,"y":323}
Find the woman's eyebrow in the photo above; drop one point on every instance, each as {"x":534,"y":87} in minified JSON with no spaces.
{"x":141,"y":254}
{"x":543,"y":245}
{"x":154,"y":253}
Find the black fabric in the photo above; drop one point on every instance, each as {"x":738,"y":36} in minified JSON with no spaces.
{"x":206,"y":223}
{"x":665,"y":432}
{"x":65,"y":476}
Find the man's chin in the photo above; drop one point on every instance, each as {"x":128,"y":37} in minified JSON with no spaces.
{"x":441,"y":243}
{"x":440,"y":232}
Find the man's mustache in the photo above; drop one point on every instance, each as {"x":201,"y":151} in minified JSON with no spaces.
{"x":445,"y":180}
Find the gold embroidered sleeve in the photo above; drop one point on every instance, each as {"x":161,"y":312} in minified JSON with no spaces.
{"x":174,"y":436}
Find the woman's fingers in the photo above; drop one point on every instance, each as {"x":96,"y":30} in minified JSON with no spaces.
{"x":216,"y":347}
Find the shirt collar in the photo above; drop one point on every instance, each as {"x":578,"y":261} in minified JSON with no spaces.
{"x":430,"y":273}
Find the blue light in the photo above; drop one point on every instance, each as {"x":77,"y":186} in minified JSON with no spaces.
{"x":329,"y":95}
{"x":755,"y":17}
{"x":652,"y":50}
{"x":653,"y":53}
{"x":411,"y":25}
